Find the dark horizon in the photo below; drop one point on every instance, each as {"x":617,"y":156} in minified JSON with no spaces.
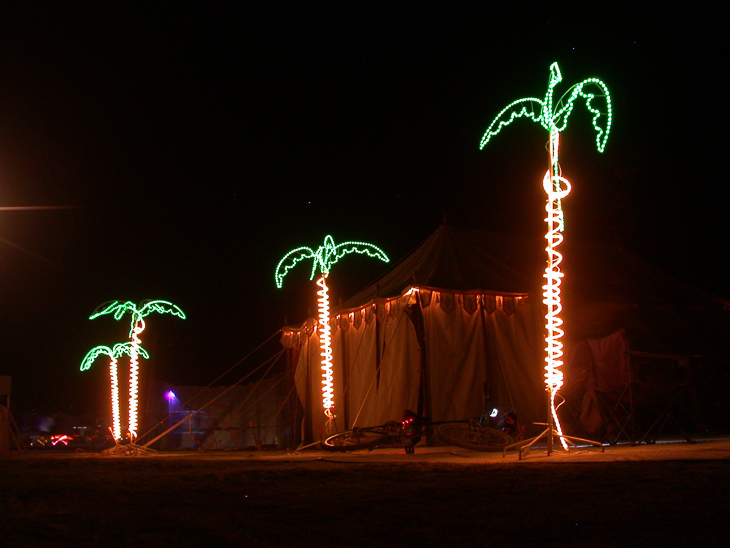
{"x":194,"y":148}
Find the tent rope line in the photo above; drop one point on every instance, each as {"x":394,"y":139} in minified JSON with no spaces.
{"x":187,"y":403}
{"x":191,"y":415}
{"x":239,"y":362}
{"x":354,"y":358}
{"x":281,"y":407}
{"x":278,"y":411}
{"x":238,"y":413}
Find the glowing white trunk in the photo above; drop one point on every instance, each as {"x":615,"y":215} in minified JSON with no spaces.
{"x":116,"y":421}
{"x":134,"y":379}
{"x":325,"y":342}
{"x":556,"y":188}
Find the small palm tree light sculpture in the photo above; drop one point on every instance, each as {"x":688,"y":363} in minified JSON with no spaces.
{"x":325,"y":257}
{"x":114,"y":353}
{"x":554,"y":118}
{"x":118,"y":309}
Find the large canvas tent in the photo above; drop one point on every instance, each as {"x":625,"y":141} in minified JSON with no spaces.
{"x":461,"y":317}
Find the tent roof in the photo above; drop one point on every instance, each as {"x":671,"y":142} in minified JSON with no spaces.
{"x":461,"y":259}
{"x":605,"y":287}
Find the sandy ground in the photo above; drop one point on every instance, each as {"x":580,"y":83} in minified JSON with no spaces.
{"x":673,"y":494}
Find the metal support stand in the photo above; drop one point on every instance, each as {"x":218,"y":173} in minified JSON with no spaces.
{"x":549,"y":434}
{"x":329,"y":426}
{"x":128,"y":449}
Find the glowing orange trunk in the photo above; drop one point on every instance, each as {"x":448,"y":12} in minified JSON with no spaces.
{"x":556,"y":188}
{"x":325,"y":342}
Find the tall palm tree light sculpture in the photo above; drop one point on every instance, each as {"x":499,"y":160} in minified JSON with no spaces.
{"x":324,"y":258}
{"x":119,"y":309}
{"x":114,"y":354}
{"x":554,"y":118}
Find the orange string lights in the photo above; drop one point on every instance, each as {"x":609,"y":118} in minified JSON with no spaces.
{"x":325,"y":337}
{"x":114,"y":353}
{"x":132,"y":348}
{"x":554,"y":118}
{"x":325,"y":257}
{"x":114,"y":378}
{"x":134,"y":380}
{"x":556,"y":187}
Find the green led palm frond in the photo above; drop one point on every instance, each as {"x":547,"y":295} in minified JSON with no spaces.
{"x":118,"y":309}
{"x":290,"y":260}
{"x":555,"y":119}
{"x":598,"y":104}
{"x":134,"y":348}
{"x":325,"y":257}
{"x":528,"y":107}
{"x":358,"y":247}
{"x":161,"y":307}
{"x":117,"y":351}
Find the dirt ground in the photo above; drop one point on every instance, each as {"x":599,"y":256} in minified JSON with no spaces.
{"x":673,"y":494}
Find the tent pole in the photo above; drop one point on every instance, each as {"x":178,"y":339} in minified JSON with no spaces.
{"x":550,"y":428}
{"x":424,"y":393}
{"x":345,"y":365}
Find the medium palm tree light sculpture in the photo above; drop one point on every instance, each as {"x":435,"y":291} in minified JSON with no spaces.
{"x":118,"y":309}
{"x":554,"y":118}
{"x":324,"y":258}
{"x":114,"y":354}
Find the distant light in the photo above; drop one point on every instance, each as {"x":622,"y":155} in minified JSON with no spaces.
{"x":170,"y":395}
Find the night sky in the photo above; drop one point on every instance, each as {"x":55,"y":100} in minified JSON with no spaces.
{"x":194,"y":146}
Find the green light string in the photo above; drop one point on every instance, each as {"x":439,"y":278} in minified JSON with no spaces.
{"x":324,"y":257}
{"x":118,"y":309}
{"x":116,"y":352}
{"x":113,"y":353}
{"x":555,"y":119}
